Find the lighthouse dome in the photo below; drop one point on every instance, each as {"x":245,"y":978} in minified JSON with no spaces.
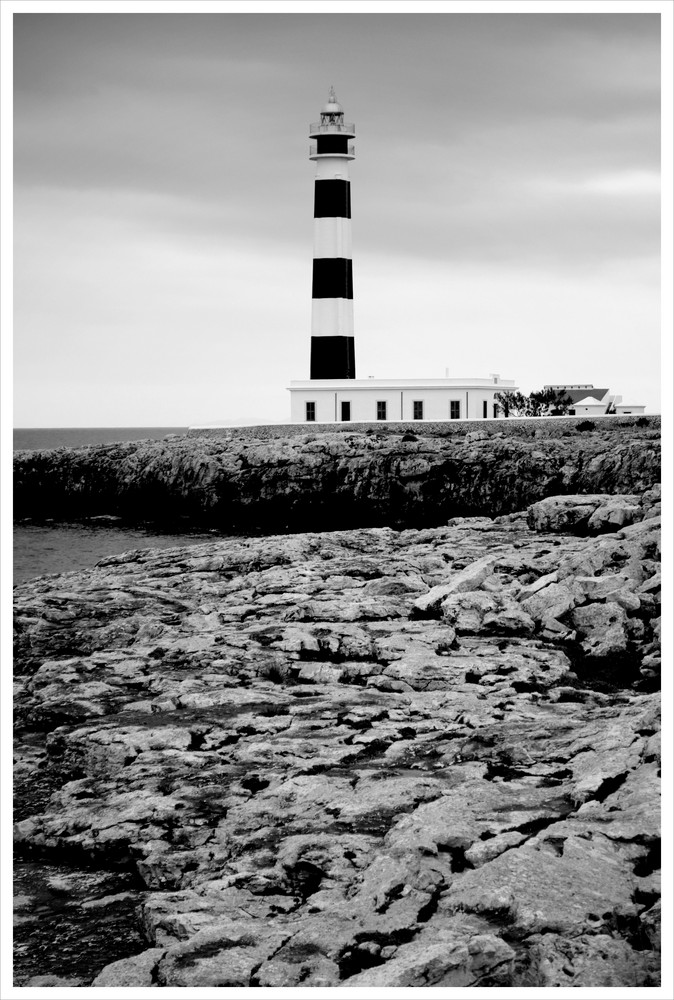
{"x":332,"y":106}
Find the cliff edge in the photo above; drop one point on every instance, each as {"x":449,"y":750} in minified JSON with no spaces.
{"x":332,"y":479}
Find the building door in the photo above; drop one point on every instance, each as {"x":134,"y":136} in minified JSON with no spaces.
{"x":346,"y":411}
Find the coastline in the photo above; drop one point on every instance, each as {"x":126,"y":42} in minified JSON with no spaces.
{"x":399,"y":755}
{"x":264,"y":480}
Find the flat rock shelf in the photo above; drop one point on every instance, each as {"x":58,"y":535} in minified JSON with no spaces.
{"x":367,"y":757}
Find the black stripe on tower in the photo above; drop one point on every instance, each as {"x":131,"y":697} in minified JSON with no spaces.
{"x":332,"y":199}
{"x":333,"y":357}
{"x":326,"y":144}
{"x":333,"y":278}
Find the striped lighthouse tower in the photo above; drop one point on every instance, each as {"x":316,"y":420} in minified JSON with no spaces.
{"x":332,"y":347}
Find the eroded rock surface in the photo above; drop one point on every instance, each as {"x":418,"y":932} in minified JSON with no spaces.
{"x":323,"y":479}
{"x":368,"y":758}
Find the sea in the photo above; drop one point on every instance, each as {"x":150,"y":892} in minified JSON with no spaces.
{"x":35,"y":438}
{"x":55,"y":547}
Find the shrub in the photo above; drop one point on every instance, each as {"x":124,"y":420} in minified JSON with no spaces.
{"x":641,"y":422}
{"x":272,"y":672}
{"x":585,"y":425}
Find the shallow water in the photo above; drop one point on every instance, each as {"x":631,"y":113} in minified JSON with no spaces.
{"x":41,"y":549}
{"x":71,"y":922}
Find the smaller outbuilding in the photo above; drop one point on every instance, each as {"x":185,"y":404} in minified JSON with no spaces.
{"x":329,"y":401}
{"x":590,"y":401}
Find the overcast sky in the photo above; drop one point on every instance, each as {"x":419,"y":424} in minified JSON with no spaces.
{"x":505,"y":205}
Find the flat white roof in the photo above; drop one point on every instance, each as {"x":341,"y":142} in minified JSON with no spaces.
{"x":407,"y":383}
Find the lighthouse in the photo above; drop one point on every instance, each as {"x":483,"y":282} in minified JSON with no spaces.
{"x":332,"y":343}
{"x":332,"y":394}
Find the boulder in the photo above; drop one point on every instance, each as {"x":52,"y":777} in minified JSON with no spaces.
{"x":616,"y":513}
{"x":225,"y":954}
{"x":563,"y":513}
{"x":442,"y":958}
{"x":486,"y":613}
{"x":552,"y":601}
{"x":532,"y":588}
{"x":602,"y":629}
{"x":594,"y":961}
{"x":466,"y":579}
{"x":585,"y":514}
{"x":136,"y":971}
{"x":618,"y":588}
{"x":537,"y":898}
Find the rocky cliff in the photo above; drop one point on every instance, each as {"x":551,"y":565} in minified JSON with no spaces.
{"x":326,"y":480}
{"x":361,"y":758}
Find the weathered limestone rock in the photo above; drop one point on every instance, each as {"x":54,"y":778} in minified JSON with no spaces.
{"x":602,"y":629}
{"x":226,"y":954}
{"x":270,"y":479}
{"x":479,"y":612}
{"x":552,"y":601}
{"x":137,"y":972}
{"x":539,"y":879}
{"x":362,"y":758}
{"x":468,"y":579}
{"x":591,"y":514}
{"x":443,"y":957}
{"x":616,"y":514}
{"x":591,"y":961}
{"x":565,"y":513}
{"x":532,"y":588}
{"x":62,"y":981}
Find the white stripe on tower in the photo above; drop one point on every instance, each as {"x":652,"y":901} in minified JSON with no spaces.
{"x":332,"y":343}
{"x":332,"y":237}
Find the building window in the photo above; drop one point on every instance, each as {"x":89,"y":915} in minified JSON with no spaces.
{"x":418,"y":409}
{"x":346,"y":411}
{"x":495,"y":410}
{"x":311,"y":411}
{"x":454,"y":409}
{"x":484,"y":408}
{"x":381,"y":409}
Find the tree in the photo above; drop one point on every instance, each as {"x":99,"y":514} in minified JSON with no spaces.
{"x":547,"y":403}
{"x":511,"y":402}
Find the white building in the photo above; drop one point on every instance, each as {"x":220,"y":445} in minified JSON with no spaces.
{"x":336,"y":400}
